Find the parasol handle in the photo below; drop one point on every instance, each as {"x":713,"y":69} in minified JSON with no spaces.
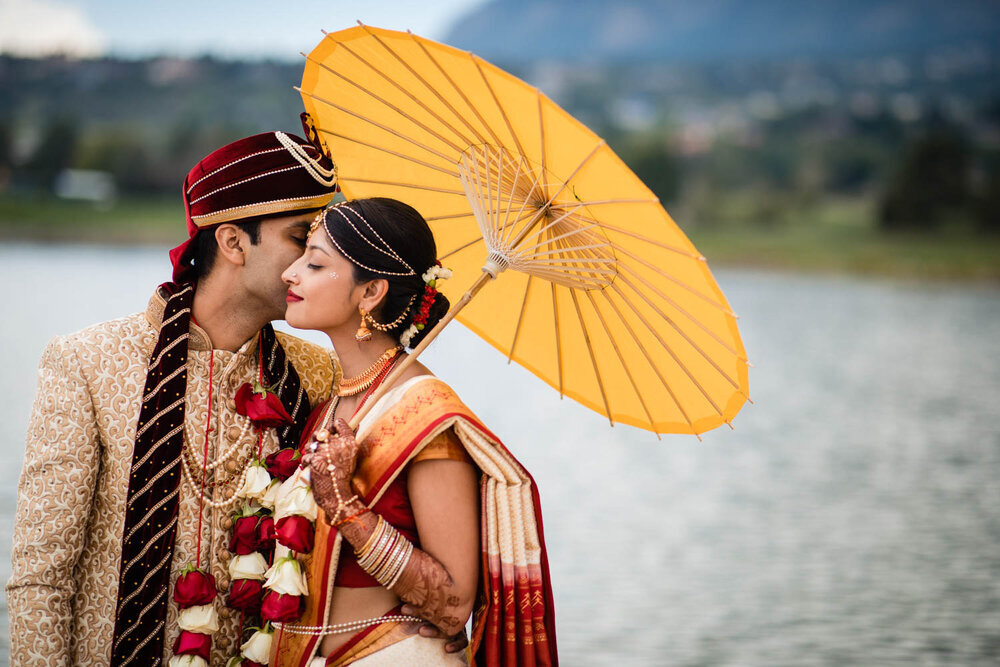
{"x":412,"y":357}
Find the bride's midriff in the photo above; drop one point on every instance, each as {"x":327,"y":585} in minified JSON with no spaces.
{"x":352,"y":604}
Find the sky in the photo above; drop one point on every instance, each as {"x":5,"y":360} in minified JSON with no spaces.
{"x":249,"y":29}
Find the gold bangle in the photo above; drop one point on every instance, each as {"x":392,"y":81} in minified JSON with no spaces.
{"x":402,"y":566}
{"x":397,"y":559}
{"x":371,"y":538}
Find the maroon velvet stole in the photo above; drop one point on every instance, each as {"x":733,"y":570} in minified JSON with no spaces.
{"x":514,"y":619}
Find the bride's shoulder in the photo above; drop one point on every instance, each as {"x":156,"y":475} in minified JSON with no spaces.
{"x":423,"y":387}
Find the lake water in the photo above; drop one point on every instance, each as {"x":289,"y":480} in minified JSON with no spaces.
{"x":852,"y":518}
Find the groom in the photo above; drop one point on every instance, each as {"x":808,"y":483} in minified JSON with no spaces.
{"x":134,"y":442}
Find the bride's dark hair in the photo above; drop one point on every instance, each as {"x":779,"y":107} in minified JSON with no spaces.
{"x":385,"y":238}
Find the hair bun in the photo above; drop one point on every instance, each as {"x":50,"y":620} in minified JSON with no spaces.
{"x":438,"y":309}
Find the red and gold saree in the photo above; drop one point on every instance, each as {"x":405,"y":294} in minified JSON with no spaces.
{"x":513,"y":621}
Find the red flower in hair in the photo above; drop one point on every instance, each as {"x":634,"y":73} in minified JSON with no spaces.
{"x":261,"y":405}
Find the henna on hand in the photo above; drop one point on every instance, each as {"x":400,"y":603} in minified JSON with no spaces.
{"x":430,"y":593}
{"x":332,"y":466}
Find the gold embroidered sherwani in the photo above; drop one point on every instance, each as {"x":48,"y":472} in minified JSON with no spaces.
{"x":71,"y":498}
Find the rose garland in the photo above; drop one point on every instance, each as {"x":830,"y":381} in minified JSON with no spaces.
{"x":252,"y":541}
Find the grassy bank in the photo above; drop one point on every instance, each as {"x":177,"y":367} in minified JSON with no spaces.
{"x":125,"y":221}
{"x":834,"y":238}
{"x":855,"y":251}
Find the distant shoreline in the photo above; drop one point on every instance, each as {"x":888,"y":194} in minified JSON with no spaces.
{"x":847,"y":248}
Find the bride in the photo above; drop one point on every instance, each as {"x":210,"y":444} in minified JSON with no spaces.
{"x":425,"y":515}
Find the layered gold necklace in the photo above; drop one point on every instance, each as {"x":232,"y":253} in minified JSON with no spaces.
{"x":359,"y":383}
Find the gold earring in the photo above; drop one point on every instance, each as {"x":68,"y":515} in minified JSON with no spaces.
{"x":363,"y":333}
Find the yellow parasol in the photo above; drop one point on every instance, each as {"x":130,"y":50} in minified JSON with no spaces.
{"x":599,"y":293}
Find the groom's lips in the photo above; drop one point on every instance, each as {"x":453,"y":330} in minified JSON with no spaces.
{"x":292,"y":297}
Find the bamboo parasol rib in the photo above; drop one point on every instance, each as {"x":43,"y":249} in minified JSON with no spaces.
{"x":654,"y":344}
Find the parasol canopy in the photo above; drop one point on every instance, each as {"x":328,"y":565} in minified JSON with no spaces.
{"x":599,"y":293}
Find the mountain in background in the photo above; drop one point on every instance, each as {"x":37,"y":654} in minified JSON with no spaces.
{"x":706,"y":30}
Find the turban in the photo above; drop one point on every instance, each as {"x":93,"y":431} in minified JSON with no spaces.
{"x":266,"y":174}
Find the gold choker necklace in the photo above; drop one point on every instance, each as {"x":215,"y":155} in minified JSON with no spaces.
{"x":358,"y":383}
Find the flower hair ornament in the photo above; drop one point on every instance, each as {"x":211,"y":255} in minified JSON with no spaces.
{"x":431,"y":278}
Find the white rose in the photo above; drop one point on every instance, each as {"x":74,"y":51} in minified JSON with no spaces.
{"x":251,"y":566}
{"x":286,"y":576}
{"x":258,"y":647}
{"x":444,"y":273}
{"x":201,"y":619}
{"x":295,"y":496}
{"x":298,"y":501}
{"x":270,"y":493}
{"x":255,"y":483}
{"x":187,"y":661}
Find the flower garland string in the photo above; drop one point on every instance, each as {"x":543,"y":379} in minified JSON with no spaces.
{"x":253,"y":537}
{"x":431,"y":278}
{"x":195,"y":590}
{"x":254,"y":529}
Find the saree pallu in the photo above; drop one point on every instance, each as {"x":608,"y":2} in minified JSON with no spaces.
{"x":513,"y":621}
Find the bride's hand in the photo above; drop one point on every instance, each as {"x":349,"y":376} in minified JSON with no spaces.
{"x":332,"y":465}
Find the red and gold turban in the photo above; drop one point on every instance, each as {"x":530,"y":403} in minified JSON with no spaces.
{"x":265,"y":174}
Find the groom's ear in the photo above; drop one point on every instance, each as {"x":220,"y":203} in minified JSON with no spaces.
{"x":231,"y":241}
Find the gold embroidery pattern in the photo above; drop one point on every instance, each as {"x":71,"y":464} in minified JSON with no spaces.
{"x":72,"y":492}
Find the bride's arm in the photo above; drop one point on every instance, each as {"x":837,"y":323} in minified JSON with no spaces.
{"x":438,"y":582}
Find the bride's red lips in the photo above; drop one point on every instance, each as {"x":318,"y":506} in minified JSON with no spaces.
{"x":292,"y":297}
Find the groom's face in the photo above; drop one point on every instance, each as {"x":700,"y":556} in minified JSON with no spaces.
{"x":282,"y":240}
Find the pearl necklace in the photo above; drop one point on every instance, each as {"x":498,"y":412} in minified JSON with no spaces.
{"x":358,"y":383}
{"x":224,"y":454}
{"x":197,"y":466}
{"x":349,"y":626}
{"x":215,"y":504}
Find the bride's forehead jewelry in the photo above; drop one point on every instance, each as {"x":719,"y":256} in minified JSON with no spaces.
{"x":317,"y":221}
{"x":321,"y":219}
{"x":386,"y":249}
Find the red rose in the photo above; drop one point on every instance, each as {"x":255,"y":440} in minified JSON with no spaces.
{"x":193,"y":588}
{"x":245,"y":595}
{"x":263,"y":407}
{"x":283,"y":463}
{"x":265,"y":531}
{"x":244,"y":540}
{"x":281,"y":607}
{"x":193,"y":643}
{"x":295,"y":532}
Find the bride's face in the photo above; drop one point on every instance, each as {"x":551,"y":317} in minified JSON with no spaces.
{"x":322,"y":293}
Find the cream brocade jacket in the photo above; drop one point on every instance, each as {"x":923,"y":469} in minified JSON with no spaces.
{"x":71,"y":497}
